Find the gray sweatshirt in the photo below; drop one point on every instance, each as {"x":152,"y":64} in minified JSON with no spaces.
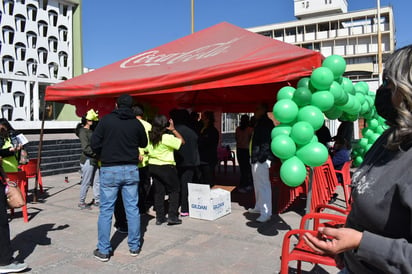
{"x":382,"y":210}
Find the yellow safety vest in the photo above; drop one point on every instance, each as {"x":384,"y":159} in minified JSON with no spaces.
{"x":10,"y":163}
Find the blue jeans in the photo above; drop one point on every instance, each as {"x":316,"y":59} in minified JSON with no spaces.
{"x":90,"y":174}
{"x":124,"y":178}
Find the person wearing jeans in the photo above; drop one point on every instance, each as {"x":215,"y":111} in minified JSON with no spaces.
{"x":122,"y":178}
{"x":116,"y":140}
{"x":88,"y":161}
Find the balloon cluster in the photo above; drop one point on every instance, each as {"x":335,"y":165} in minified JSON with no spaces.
{"x":301,"y":112}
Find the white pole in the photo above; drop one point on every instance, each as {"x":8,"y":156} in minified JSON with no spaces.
{"x":379,"y":42}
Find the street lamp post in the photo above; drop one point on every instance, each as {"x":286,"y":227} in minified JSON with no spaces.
{"x":193,"y":16}
{"x":378,"y":3}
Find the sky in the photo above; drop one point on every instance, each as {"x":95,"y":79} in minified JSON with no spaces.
{"x":114,"y":30}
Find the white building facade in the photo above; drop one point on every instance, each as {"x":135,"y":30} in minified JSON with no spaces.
{"x":327,"y":27}
{"x":40,"y":45}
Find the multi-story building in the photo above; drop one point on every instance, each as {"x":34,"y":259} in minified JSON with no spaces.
{"x":327,"y":27}
{"x":40,"y":45}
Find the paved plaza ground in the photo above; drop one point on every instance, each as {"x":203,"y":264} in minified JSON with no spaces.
{"x":60,"y":238}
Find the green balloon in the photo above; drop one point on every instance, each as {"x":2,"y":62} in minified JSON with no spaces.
{"x":349,"y":104}
{"x":283,"y":147}
{"x":302,"y":96}
{"x":340,"y":95}
{"x":313,"y":115}
{"x":333,"y":113}
{"x":380,"y":129}
{"x":293,"y":172}
{"x":356,"y":108}
{"x":280,"y":129}
{"x":372,"y":123}
{"x":336,"y":64}
{"x":367,"y":132}
{"x":285,"y":111}
{"x":361,"y":87}
{"x":365,"y":108}
{"x":313,"y":154}
{"x":324,"y":100}
{"x":285,"y":93}
{"x":347,"y":85}
{"x":358,"y":161}
{"x":321,"y":78}
{"x":302,"y":133}
{"x":360,"y":97}
{"x":363,"y":142}
{"x":303,"y":82}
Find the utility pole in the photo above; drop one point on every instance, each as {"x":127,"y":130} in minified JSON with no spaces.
{"x":379,"y":42}
{"x":193,"y":16}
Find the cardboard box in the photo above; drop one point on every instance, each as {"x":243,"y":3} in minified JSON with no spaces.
{"x":208,"y":204}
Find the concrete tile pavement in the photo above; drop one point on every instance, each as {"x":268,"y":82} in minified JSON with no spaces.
{"x":60,"y":238}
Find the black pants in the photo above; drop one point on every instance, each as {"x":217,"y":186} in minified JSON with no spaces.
{"x":6,"y":252}
{"x":186,"y":175}
{"x":145,"y":193}
{"x":243,"y":159}
{"x":165,"y":181}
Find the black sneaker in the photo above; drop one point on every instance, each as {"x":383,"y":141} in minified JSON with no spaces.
{"x":174,"y":221}
{"x":100,"y":256}
{"x":84,"y":206}
{"x":134,"y":253}
{"x":123,"y":230}
{"x":13,"y":267}
{"x":160,"y":221}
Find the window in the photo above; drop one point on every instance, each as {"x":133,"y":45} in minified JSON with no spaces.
{"x":42,"y":28}
{"x":63,"y":57}
{"x":43,"y":4}
{"x":31,"y":12}
{"x":63,"y":33}
{"x":53,"y":69}
{"x":31,"y":39}
{"x":42,"y":53}
{"x":8,"y":63}
{"x":63,"y":9}
{"x":8,"y":34}
{"x":291,"y":31}
{"x":8,"y":6}
{"x":53,"y":18}
{"x":31,"y":66}
{"x":20,"y":49}
{"x":278,"y":33}
{"x":53,"y":43}
{"x":266,"y":33}
{"x":20,"y":22}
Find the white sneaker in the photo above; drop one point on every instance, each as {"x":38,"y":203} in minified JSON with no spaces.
{"x":263,"y":219}
{"x":13,"y":267}
{"x":253,"y":210}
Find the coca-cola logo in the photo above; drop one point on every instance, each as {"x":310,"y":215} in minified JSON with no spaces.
{"x":154,"y":58}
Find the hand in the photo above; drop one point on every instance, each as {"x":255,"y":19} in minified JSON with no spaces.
{"x":171,"y":126}
{"x":140,"y":158}
{"x":341,"y":239}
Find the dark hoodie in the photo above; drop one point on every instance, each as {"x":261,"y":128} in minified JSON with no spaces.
{"x":117,"y":138}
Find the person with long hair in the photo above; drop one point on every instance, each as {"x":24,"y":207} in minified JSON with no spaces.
{"x":377,"y":237}
{"x":164,"y":140}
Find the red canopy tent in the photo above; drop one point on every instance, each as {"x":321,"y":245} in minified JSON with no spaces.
{"x":224,"y":68}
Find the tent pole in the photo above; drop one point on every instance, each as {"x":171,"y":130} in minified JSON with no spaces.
{"x":36,"y":183}
{"x":309,"y":194}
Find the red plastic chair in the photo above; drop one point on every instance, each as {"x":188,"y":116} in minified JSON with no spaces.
{"x":20,"y":178}
{"x":31,"y":172}
{"x":224,"y":155}
{"x":346,"y":182}
{"x":301,"y":251}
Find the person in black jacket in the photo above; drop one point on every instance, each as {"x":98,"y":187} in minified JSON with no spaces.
{"x":186,"y":157}
{"x":261,"y":159}
{"x":116,"y":140}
